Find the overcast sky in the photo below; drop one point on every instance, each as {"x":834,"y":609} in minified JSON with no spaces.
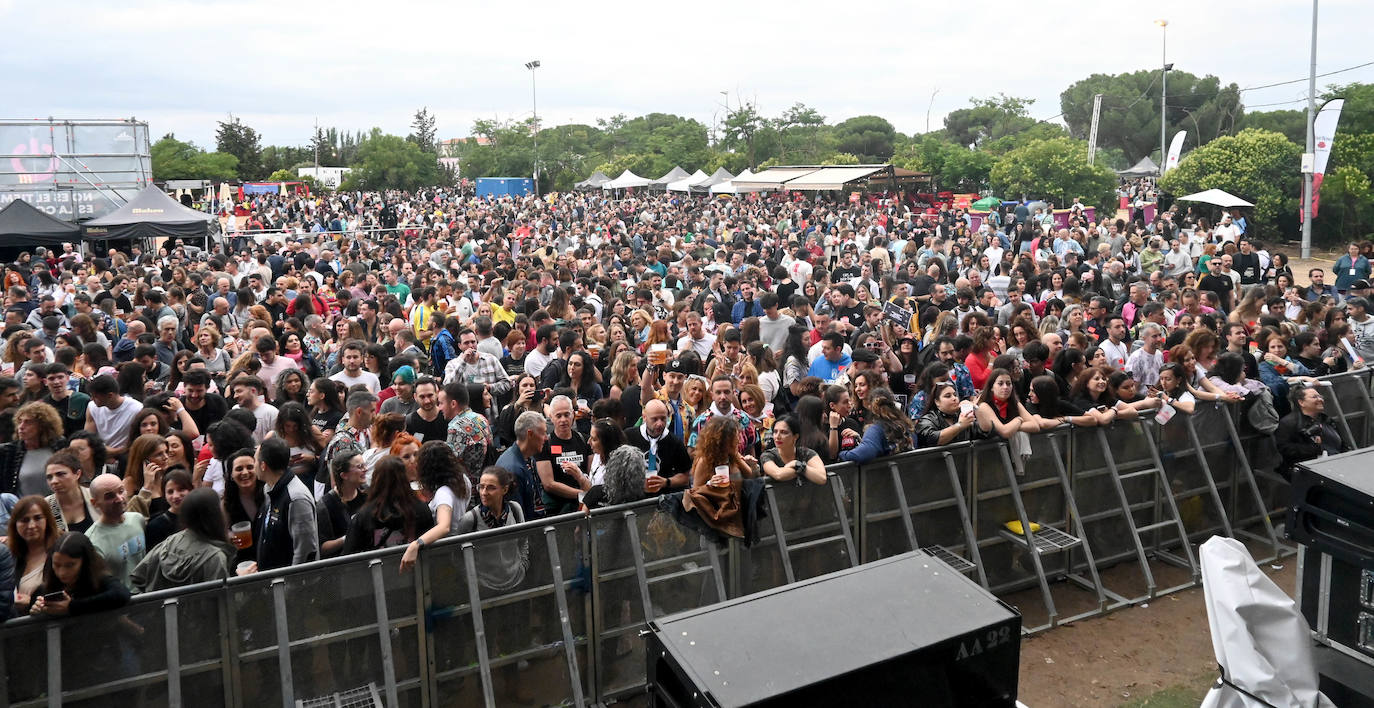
{"x":281,"y":65}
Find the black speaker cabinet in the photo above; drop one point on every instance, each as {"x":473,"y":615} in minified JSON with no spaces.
{"x":1337,"y":600}
{"x":907,"y":630}
{"x":1332,"y":508}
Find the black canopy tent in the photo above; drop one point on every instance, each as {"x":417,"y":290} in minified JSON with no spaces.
{"x":22,"y":225}
{"x":151,"y":215}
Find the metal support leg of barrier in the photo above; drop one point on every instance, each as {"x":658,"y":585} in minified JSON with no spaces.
{"x":4,"y":678}
{"x":384,"y":632}
{"x":425,"y":643}
{"x":1206,"y":468}
{"x":1248,"y":475}
{"x":288,"y":684}
{"x":1368,"y":409}
{"x":1126,"y":515}
{"x":907,"y":525}
{"x":777,"y":531}
{"x":713,"y":555}
{"x":970,"y":538}
{"x":1071,"y":515}
{"x":1032,"y":549}
{"x":641,"y":575}
{"x":229,"y":649}
{"x":837,"y":494}
{"x":560,"y":594}
{"x":479,"y":629}
{"x":54,"y":666}
{"x":173,"y":639}
{"x":1165,"y":491}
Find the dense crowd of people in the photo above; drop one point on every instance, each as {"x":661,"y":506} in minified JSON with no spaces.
{"x":366,"y":370}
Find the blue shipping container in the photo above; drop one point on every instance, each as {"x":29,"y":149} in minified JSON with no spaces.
{"x":504,"y":186}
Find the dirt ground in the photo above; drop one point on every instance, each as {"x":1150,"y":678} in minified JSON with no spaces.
{"x":1147,"y":655}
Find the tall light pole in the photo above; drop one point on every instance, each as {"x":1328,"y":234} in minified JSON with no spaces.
{"x":1311,"y":142}
{"x":1163,"y":92}
{"x":534,"y":99}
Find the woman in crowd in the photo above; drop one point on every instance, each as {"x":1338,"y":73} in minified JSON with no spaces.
{"x":890,"y":431}
{"x":176,"y":484}
{"x":31,"y":532}
{"x":999,"y":412}
{"x":76,"y":581}
{"x":528,"y":397}
{"x":291,"y":386}
{"x":1050,"y":411}
{"x":294,"y":426}
{"x":199,"y":552}
{"x":392,"y":515}
{"x":336,"y":507}
{"x":621,"y":481}
{"x":786,"y":460}
{"x":243,"y":496}
{"x":605,"y":437}
{"x":385,"y":428}
{"x":450,"y":492}
{"x":502,"y":566}
{"x":1279,"y":371}
{"x":946,"y":419}
{"x":37,"y":435}
{"x":143,"y":476}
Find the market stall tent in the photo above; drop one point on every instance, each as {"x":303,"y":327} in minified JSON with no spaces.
{"x":720,"y":175}
{"x":734,"y":186}
{"x":675,"y":174}
{"x":1145,"y":168}
{"x":24,"y":225}
{"x":594,"y":182}
{"x":626,"y":180}
{"x":1217,"y":197}
{"x":687,"y":183}
{"x":151,"y":214}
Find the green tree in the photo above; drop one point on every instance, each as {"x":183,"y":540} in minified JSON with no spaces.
{"x":1130,"y":109}
{"x":1055,"y":169}
{"x":1260,"y":166}
{"x":989,"y":119}
{"x":953,"y":167}
{"x":1293,"y":123}
{"x":1347,"y":207}
{"x":242,"y":142}
{"x":391,"y":162}
{"x":1357,"y":118}
{"x":803,"y":136}
{"x":747,"y":132}
{"x":176,"y":159}
{"x":424,"y":133}
{"x":841,"y":158}
{"x":870,"y":138}
{"x":285,"y":157}
{"x":283,"y":175}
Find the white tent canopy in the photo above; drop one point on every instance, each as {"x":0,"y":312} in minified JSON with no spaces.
{"x":1145,"y":168}
{"x":626,"y":179}
{"x":773,"y":177}
{"x":832,"y":177}
{"x":594,"y":182}
{"x":686,"y":184}
{"x":720,"y":175}
{"x":1216,"y":197}
{"x":673,"y":175}
{"x":734,"y":186}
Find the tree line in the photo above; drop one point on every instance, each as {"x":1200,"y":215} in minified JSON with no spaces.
{"x":995,"y":145}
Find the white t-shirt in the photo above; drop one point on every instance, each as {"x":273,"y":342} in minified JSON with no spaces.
{"x":446,"y":497}
{"x":113,"y":425}
{"x":535,"y":361}
{"x":364,"y":376}
{"x":266,"y":415}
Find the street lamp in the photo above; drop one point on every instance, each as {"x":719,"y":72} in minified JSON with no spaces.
{"x":534,"y":97}
{"x":1163,"y":92}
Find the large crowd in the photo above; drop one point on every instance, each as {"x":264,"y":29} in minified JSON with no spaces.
{"x":365,"y":370}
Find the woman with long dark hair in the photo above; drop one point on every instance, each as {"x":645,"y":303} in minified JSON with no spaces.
{"x":345,"y":497}
{"x":890,"y":430}
{"x":1000,"y":413}
{"x":945,"y":420}
{"x":243,"y":495}
{"x":793,"y":359}
{"x":1050,"y":411}
{"x":76,"y":580}
{"x":392,"y":515}
{"x":199,"y":552}
{"x":786,"y":460}
{"x":32,"y":530}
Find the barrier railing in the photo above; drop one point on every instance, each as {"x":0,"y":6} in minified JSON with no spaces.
{"x":550,"y":611}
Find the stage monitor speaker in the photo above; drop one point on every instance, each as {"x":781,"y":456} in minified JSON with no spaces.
{"x":907,"y":630}
{"x":1337,"y":600}
{"x":1332,"y":507}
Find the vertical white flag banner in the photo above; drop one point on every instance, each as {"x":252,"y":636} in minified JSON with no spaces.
{"x":1175,"y":147}
{"x":1323,"y":134}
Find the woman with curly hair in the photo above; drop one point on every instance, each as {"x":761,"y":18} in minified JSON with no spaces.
{"x":450,"y":490}
{"x":623,"y":480}
{"x":291,"y":385}
{"x":889,"y":430}
{"x":37,"y":435}
{"x":717,"y":470}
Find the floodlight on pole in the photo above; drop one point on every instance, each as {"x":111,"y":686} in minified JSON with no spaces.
{"x":1163,"y":92}
{"x":534,"y":98}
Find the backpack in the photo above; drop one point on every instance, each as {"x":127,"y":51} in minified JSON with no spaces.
{"x":1259,"y":412}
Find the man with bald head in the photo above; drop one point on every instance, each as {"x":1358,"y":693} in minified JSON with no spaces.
{"x":666,"y":456}
{"x":117,"y":534}
{"x":124,"y":346}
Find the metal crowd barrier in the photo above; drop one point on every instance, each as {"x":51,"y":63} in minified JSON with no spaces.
{"x":551,"y":611}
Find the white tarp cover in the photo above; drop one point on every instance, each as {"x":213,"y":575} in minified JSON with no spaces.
{"x":673,"y":175}
{"x":831,"y":178}
{"x":1261,"y":641}
{"x":1218,"y":197}
{"x":720,"y":175}
{"x":772,"y":178}
{"x":734,"y":187}
{"x":686,"y":184}
{"x":1145,"y":168}
{"x":626,"y":179}
{"x":594,"y":182}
